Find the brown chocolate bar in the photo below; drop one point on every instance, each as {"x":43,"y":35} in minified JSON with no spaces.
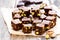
{"x":16,"y":24}
{"x":35,"y":21}
{"x":17,"y":14}
{"x":39,"y":29}
{"x":48,"y":24}
{"x":52,"y":19}
{"x":35,"y":12}
{"x":27,"y":28}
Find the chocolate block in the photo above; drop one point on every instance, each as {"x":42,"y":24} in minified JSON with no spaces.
{"x":16,"y":11}
{"x":48,"y":24}
{"x":39,"y":29}
{"x":17,"y":14}
{"x":47,"y":9}
{"x":16,"y":24}
{"x":27,"y":28}
{"x":26,"y":20}
{"x":35,"y":12}
{"x":42,"y":16}
{"x":35,"y":21}
{"x":26,"y":11}
{"x":52,"y":13}
{"x":52,"y":19}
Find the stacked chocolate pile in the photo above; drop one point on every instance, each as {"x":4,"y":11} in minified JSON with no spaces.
{"x":35,"y":17}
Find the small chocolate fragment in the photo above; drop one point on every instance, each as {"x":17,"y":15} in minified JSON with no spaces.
{"x":39,"y":29}
{"x":52,"y":19}
{"x":16,"y":24}
{"x":27,"y":28}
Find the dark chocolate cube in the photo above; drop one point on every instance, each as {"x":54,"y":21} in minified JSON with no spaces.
{"x":35,"y":21}
{"x":16,"y":24}
{"x":27,"y":28}
{"x":39,"y":29}
{"x":52,"y":19}
{"x":47,"y":9}
{"x":48,"y":24}
{"x":17,"y":14}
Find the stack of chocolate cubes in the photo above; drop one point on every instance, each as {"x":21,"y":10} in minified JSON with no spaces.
{"x":34,"y":17}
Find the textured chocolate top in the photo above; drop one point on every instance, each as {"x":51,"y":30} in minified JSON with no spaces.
{"x":27,"y":25}
{"x":37,"y":21}
{"x":46,"y":22}
{"x":52,"y":12}
{"x":42,"y":16}
{"x":42,"y":11}
{"x":17,"y":16}
{"x":40,"y":25}
{"x":25,"y":19}
{"x":16,"y":21}
{"x":50,"y":17}
{"x":47,"y":7}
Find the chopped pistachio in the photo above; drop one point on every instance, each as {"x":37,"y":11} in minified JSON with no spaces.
{"x":37,"y":32}
{"x":39,"y":14}
{"x":47,"y":36}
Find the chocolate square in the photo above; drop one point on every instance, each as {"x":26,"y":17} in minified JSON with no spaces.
{"x":52,"y":19}
{"x":27,"y":28}
{"x":16,"y":24}
{"x":39,"y":29}
{"x":48,"y":24}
